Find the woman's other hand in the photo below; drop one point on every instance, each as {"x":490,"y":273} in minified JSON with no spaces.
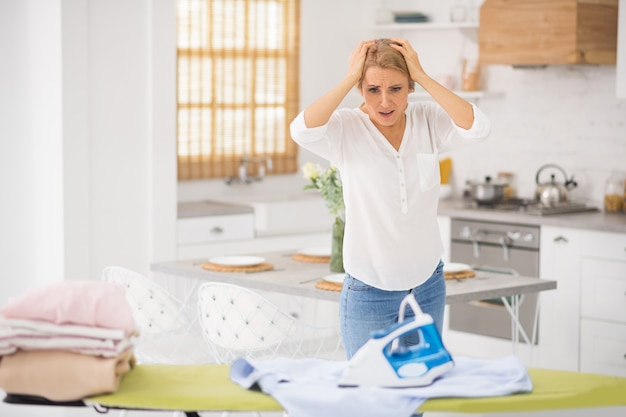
{"x":357,"y":60}
{"x":416,"y":72}
{"x":459,"y":110}
{"x":320,"y":111}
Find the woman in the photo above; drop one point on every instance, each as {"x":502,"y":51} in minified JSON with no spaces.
{"x":387,"y":153}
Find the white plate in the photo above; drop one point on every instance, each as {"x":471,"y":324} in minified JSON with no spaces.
{"x":315,"y":251}
{"x":336,"y":278}
{"x":456,"y":267}
{"x":237,"y":260}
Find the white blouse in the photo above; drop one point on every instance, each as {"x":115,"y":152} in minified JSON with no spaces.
{"x":392,"y":238}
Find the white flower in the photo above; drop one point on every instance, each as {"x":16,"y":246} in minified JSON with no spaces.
{"x":310,"y":171}
{"x":329,"y":185}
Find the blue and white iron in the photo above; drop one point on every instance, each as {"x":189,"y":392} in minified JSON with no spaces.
{"x":383,"y":362}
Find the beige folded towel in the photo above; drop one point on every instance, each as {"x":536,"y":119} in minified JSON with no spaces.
{"x":61,"y":375}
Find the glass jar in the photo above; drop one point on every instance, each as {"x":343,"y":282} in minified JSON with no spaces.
{"x":614,"y":192}
{"x":383,"y":13}
{"x":458,"y":11}
{"x":508,"y":178}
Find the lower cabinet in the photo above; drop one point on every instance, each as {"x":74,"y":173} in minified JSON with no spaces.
{"x":583,"y":322}
{"x":603,"y":347}
{"x":215,"y":229}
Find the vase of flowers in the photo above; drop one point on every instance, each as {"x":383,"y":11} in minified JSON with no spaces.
{"x":328,"y":182}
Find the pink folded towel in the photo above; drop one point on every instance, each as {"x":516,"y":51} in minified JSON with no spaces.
{"x":87,"y":303}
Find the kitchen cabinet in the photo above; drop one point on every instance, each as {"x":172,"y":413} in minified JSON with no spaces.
{"x":540,"y":32}
{"x":603,"y":305}
{"x":215,"y":229}
{"x":583,"y":322}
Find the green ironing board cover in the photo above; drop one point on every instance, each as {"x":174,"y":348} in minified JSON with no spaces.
{"x":209,"y":388}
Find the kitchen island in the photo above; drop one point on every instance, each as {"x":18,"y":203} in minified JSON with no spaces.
{"x":297,"y":278}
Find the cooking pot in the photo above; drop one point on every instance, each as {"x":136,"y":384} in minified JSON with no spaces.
{"x":488,"y":191}
{"x":553,"y":192}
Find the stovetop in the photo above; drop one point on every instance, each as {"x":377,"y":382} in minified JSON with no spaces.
{"x":531,"y":206}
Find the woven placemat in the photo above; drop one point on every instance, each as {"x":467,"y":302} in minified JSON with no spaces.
{"x":329,"y":286}
{"x":265,"y":266}
{"x":309,"y":258}
{"x":460,"y":274}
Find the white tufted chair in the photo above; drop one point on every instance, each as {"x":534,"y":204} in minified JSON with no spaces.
{"x":163,"y":326}
{"x":237,"y":322}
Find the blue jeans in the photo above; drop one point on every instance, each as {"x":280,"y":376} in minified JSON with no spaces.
{"x":364,"y":308}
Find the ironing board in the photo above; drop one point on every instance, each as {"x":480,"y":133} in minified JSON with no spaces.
{"x":196,"y":388}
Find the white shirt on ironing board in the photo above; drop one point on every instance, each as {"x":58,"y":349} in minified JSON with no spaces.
{"x":392,"y":238}
{"x":309,"y":387}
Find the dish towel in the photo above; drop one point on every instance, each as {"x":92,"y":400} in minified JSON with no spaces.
{"x":308,"y":387}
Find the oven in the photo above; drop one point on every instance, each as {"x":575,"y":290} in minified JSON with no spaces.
{"x":502,"y":247}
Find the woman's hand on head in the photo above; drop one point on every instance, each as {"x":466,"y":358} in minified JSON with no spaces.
{"x":410,"y":56}
{"x":357,"y":60}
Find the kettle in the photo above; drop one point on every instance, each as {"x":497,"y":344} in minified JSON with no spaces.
{"x":553,"y":192}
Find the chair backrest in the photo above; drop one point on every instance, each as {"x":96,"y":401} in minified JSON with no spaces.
{"x":165,"y":332}
{"x":236,"y":321}
{"x":154,"y":309}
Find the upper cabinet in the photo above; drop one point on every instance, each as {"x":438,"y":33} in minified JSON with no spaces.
{"x":542,"y":32}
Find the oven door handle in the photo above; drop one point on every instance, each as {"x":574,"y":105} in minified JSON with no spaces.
{"x":505,"y":240}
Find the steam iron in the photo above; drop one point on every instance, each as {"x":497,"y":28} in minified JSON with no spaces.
{"x":383,"y":362}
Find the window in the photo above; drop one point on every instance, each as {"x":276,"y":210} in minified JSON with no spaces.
{"x":237,"y":87}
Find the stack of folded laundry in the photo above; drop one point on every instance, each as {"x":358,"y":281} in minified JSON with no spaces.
{"x":66,"y":341}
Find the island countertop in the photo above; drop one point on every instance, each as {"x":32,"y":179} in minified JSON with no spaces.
{"x":293,"y":277}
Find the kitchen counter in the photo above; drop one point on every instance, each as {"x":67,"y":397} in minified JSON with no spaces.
{"x":597,"y":221}
{"x":210,"y":208}
{"x":457,"y":208}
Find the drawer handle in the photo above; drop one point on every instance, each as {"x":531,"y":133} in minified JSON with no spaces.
{"x":217,"y":230}
{"x":559,"y":239}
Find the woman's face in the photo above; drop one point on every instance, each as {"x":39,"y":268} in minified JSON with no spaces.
{"x":386,"y":93}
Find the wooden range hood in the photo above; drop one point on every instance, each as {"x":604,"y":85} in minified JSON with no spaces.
{"x":542,"y":32}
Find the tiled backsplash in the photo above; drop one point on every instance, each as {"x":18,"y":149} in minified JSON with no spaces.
{"x":566,"y":115}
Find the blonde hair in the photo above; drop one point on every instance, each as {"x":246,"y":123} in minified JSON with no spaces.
{"x":382,"y":55}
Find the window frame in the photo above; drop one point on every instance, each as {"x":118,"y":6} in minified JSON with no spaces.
{"x":216,"y":153}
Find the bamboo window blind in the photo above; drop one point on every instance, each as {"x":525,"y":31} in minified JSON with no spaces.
{"x":237,"y":85}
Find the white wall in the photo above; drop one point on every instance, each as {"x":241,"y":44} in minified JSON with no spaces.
{"x":31,"y":179}
{"x":87,"y":164}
